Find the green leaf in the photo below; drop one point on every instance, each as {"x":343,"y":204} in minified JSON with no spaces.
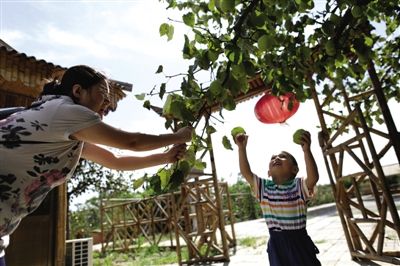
{"x":164,"y":175}
{"x":162,"y":90}
{"x":258,"y":19}
{"x":159,"y":69}
{"x":335,"y":19}
{"x":190,"y":156}
{"x":199,"y":37}
{"x":203,"y":60}
{"x":215,"y":87}
{"x":175,"y":180}
{"x":289,"y":25}
{"x":249,"y":68}
{"x":212,"y":55}
{"x":141,"y":96}
{"x":356,"y":11}
{"x":210,"y":130}
{"x":234,"y":55}
{"x":211,"y":5}
{"x":328,"y":28}
{"x":199,"y":165}
{"x":368,"y":41}
{"x":238,"y":71}
{"x":330,"y":47}
{"x":170,"y":32}
{"x":178,"y":109}
{"x":155,"y":184}
{"x":187,"y":115}
{"x":146,"y":104}
{"x":226,"y":143}
{"x":167,"y":106}
{"x":227,"y":5}
{"x":167,"y":30}
{"x":164,"y":28}
{"x":228,"y":103}
{"x":189,"y":19}
{"x":138,"y":182}
{"x":184,"y":167}
{"x":266,"y":43}
{"x":188,"y":49}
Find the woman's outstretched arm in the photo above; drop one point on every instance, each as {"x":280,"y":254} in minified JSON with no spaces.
{"x":107,"y":135}
{"x":108,"y":159}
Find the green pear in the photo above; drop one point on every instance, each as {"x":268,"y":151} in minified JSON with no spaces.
{"x":237,"y":130}
{"x":297,"y":136}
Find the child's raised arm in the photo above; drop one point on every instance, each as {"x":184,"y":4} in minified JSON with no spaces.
{"x":245,"y":170}
{"x":311,"y":166}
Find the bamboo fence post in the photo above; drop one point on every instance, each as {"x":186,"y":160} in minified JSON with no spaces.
{"x":218,"y":199}
{"x":341,"y":202}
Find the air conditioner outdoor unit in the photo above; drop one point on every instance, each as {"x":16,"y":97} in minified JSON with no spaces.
{"x":79,"y":252}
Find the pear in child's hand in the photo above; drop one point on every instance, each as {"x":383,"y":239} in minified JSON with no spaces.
{"x":237,"y":130}
{"x":297,"y":136}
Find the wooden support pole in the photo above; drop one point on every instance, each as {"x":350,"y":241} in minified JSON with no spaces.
{"x":385,"y":190}
{"x":218,"y":199}
{"x":381,"y":99}
{"x":231,"y":216}
{"x":60,"y":217}
{"x":342,"y":203}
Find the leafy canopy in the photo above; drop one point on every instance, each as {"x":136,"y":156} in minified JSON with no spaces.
{"x":294,"y":46}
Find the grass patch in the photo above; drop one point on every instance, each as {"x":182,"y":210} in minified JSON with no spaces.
{"x":152,"y":255}
{"x":110,"y":259}
{"x":144,"y":256}
{"x":252,"y":242}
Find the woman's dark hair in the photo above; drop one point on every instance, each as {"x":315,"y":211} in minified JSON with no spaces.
{"x":80,"y":74}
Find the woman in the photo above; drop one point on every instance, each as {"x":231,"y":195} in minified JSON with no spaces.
{"x":41,"y":146}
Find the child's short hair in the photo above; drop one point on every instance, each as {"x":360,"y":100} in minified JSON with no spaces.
{"x":291,"y":157}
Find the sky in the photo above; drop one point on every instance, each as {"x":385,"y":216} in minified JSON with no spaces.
{"x":122,"y":39}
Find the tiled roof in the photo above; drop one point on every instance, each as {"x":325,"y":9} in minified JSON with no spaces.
{"x":23,"y":74}
{"x":12,"y":51}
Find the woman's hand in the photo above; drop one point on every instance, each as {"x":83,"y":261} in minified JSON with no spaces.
{"x":185,"y":134}
{"x":177,"y":152}
{"x":241,"y":140}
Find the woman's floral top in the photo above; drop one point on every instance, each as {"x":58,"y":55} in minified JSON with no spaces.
{"x":36,"y":154}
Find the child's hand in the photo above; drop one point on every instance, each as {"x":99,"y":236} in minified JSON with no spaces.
{"x":241,"y":140}
{"x":305,"y":141}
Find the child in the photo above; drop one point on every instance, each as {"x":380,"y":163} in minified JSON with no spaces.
{"x":283,"y":203}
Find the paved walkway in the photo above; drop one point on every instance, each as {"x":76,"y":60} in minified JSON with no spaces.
{"x":324,"y":228}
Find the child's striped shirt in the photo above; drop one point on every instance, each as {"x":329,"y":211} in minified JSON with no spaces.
{"x":283,"y":206}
